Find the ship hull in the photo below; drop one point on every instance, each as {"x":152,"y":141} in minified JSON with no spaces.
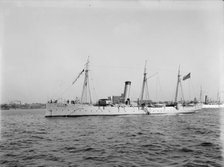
{"x":72,"y":110}
{"x":77,"y":110}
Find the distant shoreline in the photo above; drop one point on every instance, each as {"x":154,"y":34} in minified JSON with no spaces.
{"x":23,"y":106}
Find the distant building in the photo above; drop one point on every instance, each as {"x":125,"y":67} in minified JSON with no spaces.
{"x":15,"y":102}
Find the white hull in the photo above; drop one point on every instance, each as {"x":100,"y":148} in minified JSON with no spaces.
{"x":72,"y":110}
{"x":69,"y":110}
{"x":173,"y":110}
{"x":212,"y":106}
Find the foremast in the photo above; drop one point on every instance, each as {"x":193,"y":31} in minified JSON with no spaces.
{"x":178,"y":83}
{"x":86,"y":94}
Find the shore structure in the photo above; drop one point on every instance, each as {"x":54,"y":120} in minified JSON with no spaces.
{"x":208,"y":103}
{"x":113,"y":106}
{"x":212,"y":104}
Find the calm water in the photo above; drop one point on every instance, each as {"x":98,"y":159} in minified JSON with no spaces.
{"x":30,"y":139}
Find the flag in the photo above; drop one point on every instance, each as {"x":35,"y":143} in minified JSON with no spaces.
{"x":187,"y":76}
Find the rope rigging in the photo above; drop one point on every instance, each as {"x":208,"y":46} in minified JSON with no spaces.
{"x":67,"y":88}
{"x":78,"y":76}
{"x":92,"y":83}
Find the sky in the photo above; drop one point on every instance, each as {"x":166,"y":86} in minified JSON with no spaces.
{"x":44,"y":45}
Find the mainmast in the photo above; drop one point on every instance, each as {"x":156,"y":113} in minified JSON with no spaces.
{"x":218,"y":97}
{"x":178,"y":82}
{"x":144,"y":84}
{"x":200,"y":94}
{"x":86,"y":88}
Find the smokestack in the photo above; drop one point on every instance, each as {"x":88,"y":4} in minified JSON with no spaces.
{"x":206,"y":99}
{"x":127,"y":90}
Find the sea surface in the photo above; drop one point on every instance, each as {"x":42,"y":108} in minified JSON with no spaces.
{"x":30,"y":139}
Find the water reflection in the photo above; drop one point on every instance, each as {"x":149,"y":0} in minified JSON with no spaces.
{"x":185,"y":140}
{"x":222,"y":130}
